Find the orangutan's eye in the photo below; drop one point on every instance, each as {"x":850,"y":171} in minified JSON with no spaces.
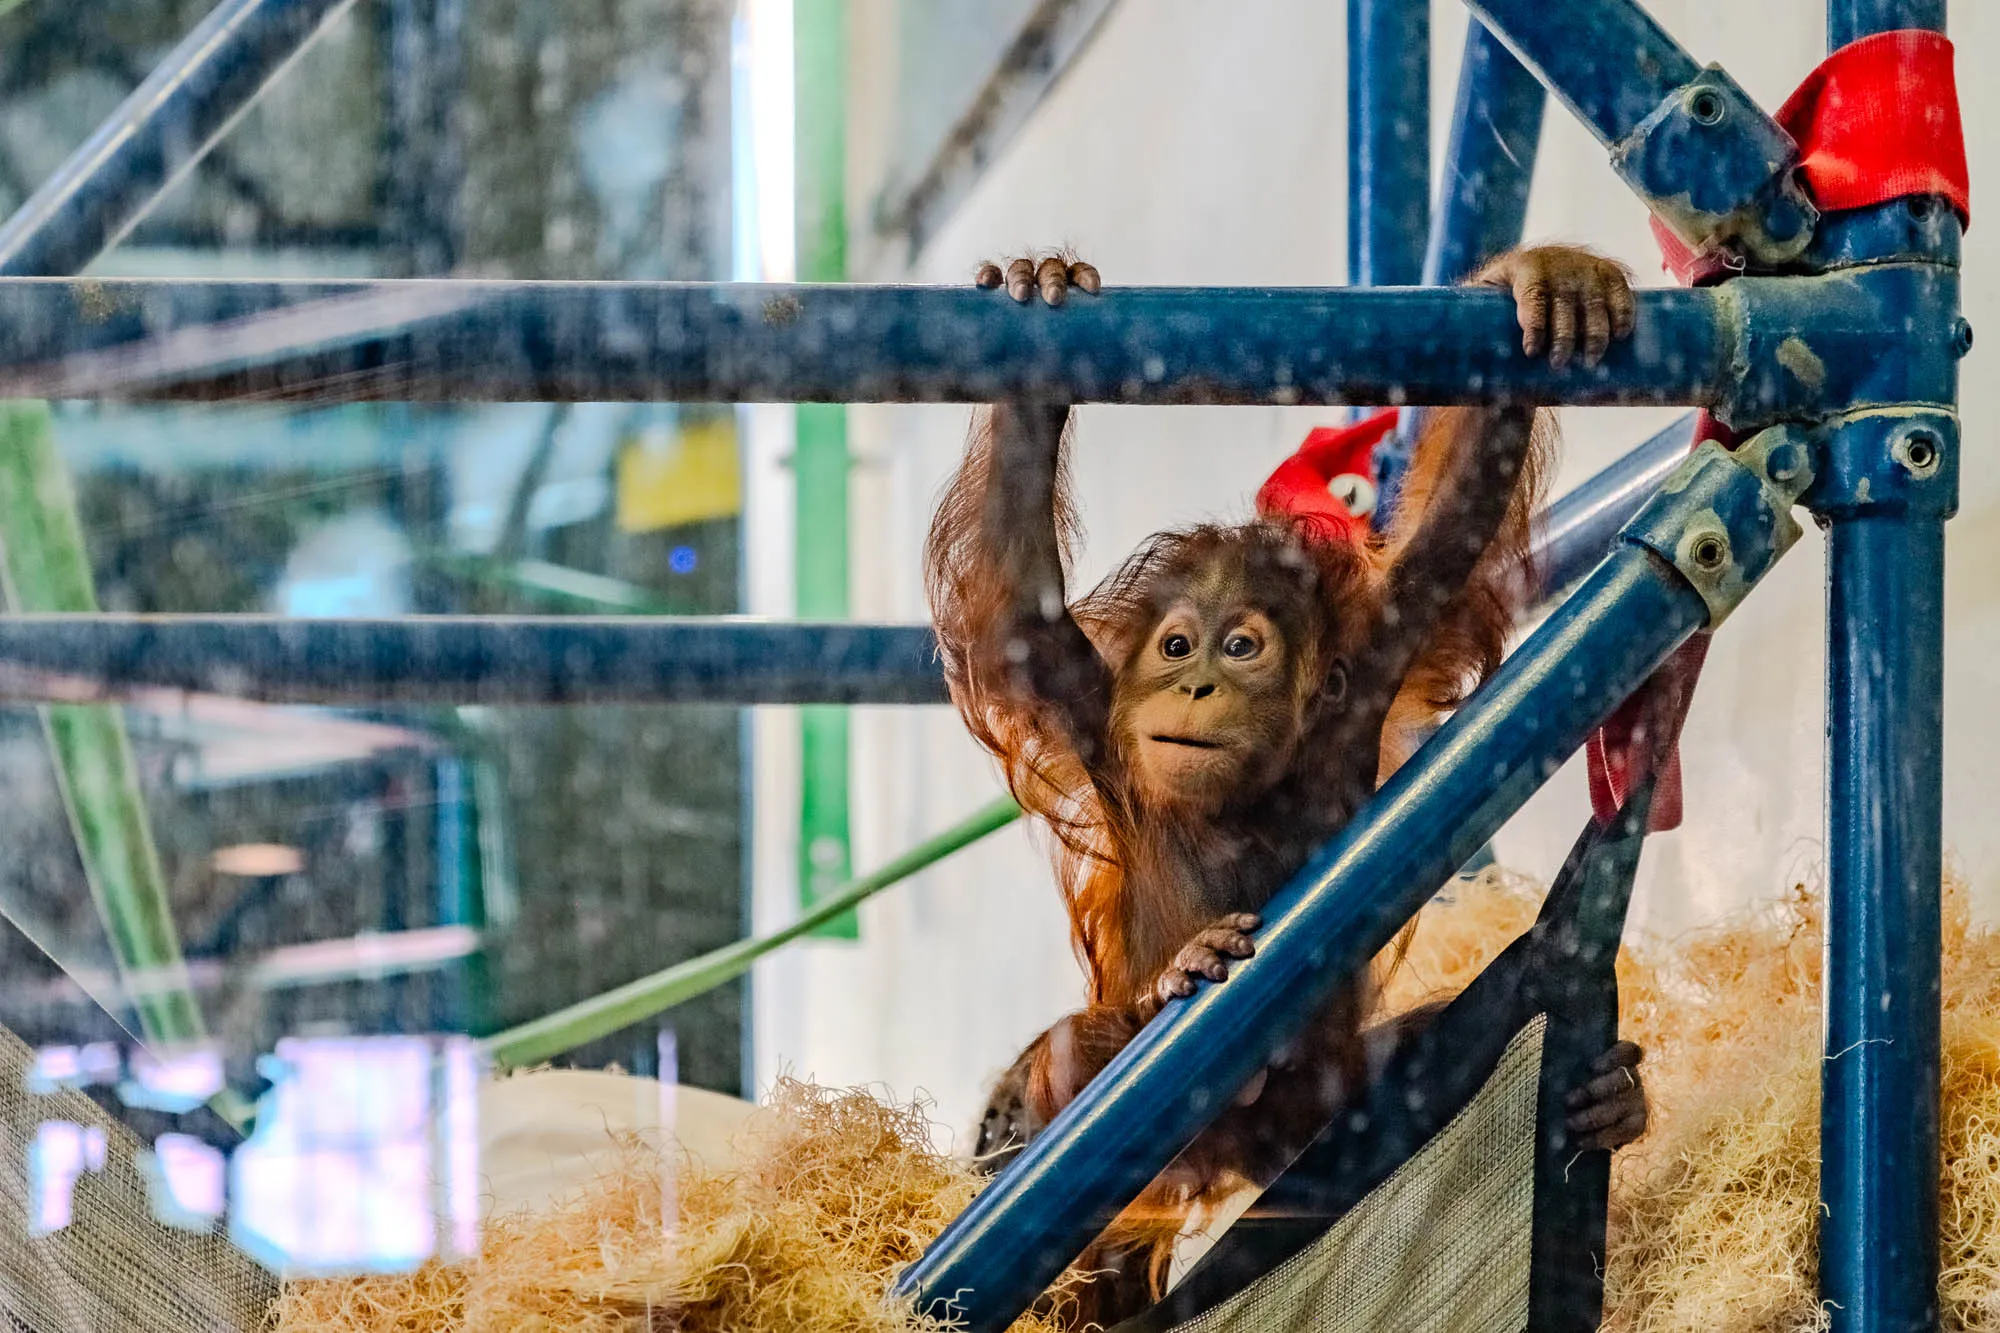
{"x":1175,"y":646}
{"x":1240,"y":646}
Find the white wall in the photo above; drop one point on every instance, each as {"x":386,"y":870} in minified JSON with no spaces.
{"x":1197,"y":142}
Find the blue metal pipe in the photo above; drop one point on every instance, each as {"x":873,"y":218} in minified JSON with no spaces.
{"x":1851,"y":20}
{"x":1577,"y":531}
{"x":1482,"y":205}
{"x":1489,"y":165}
{"x":467,"y":659}
{"x":1690,"y":142}
{"x":1608,"y":61}
{"x":1754,"y":351}
{"x":160,"y":131}
{"x":1879,"y":1127}
{"x":1892,"y":487}
{"x":1343,"y":907}
{"x":1388,"y":140}
{"x":1888,"y":502}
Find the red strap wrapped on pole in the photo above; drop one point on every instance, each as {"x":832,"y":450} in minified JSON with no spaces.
{"x":1876,"y":121}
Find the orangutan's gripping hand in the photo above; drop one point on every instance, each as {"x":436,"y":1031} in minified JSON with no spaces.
{"x":1559,"y":291}
{"x":1610,"y":1111}
{"x":1206,"y":955}
{"x":1053,"y":277}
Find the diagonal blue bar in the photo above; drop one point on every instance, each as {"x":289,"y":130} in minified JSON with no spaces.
{"x":1576,"y":532}
{"x":1689,"y":141}
{"x":1489,"y":164}
{"x":190,"y":100}
{"x":1608,"y":60}
{"x":1482,"y":204}
{"x":1334,"y":915}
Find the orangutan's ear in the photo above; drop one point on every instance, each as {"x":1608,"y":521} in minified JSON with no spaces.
{"x":1115,"y":649}
{"x":1333,"y":687}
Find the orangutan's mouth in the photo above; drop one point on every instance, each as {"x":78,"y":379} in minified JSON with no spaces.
{"x":1189,"y":741}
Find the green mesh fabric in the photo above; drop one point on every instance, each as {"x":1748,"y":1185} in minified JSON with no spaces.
{"x":1442,"y":1246}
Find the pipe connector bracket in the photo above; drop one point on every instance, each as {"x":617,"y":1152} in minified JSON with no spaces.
{"x":1723,"y":518}
{"x":1896,"y":460}
{"x":1719,"y":171}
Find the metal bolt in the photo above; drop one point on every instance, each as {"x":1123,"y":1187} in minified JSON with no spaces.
{"x":1706,"y":106}
{"x":1961,"y":336}
{"x":1918,"y":451}
{"x":1784,"y":462}
{"x":1710,"y":551}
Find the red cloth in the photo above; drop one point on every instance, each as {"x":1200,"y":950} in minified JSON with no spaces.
{"x":1876,"y":121}
{"x":1298,"y":489}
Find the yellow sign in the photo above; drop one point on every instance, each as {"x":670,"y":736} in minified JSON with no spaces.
{"x":668,"y":478}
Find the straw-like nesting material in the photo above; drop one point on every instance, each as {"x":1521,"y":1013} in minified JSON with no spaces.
{"x":833,"y":1193}
{"x":1714,"y":1212}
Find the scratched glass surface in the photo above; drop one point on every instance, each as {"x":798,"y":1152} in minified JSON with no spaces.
{"x":382,"y":856}
{"x":356,"y":894}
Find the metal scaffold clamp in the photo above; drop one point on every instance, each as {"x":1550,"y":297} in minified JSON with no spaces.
{"x":1724,"y":517}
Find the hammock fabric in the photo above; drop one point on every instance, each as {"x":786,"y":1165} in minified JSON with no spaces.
{"x":1454,"y":1196}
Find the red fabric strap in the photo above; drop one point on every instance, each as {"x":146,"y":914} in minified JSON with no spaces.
{"x":1615,"y":748}
{"x":1877,"y":120}
{"x":1298,"y":488}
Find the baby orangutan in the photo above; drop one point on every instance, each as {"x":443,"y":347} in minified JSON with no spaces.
{"x":1194,"y":727}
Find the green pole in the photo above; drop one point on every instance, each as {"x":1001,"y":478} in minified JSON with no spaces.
{"x":820,"y":458}
{"x":602,"y":1015}
{"x":46,"y":569}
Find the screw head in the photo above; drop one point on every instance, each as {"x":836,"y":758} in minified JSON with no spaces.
{"x":1961,"y":336}
{"x":1706,"y":107}
{"x":1709,"y":550}
{"x":1919,"y":450}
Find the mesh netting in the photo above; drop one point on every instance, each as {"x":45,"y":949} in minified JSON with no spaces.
{"x":113,"y":1266}
{"x":1442,"y":1246}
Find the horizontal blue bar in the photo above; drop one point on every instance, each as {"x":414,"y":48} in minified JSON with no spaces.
{"x":161,"y":130}
{"x":452,"y":340}
{"x":468,"y":659}
{"x":1340,"y":909}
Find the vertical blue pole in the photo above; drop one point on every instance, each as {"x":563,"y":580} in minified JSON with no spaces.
{"x":1851,"y":20}
{"x":424,"y":42}
{"x":1388,"y":140}
{"x":1885,"y":771}
{"x":1879,"y":1132}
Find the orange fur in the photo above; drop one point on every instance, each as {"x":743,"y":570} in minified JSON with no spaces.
{"x":1140,"y":881}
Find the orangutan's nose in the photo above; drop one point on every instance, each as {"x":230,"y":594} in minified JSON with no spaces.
{"x":1199,"y":691}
